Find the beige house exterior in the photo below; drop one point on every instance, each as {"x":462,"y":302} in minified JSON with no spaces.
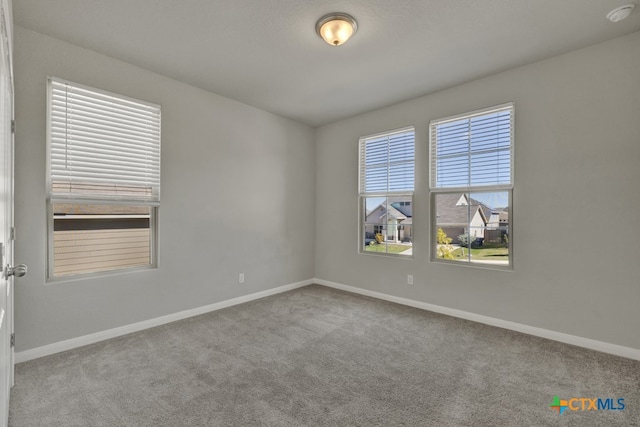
{"x":458,"y":214}
{"x":393,"y":219}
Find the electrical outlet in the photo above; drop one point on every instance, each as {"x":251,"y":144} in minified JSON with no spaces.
{"x":241,"y":278}
{"x":409,"y":279}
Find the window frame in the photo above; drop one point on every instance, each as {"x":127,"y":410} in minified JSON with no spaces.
{"x":52,"y":199}
{"x":469,"y":189}
{"x":363,"y":194}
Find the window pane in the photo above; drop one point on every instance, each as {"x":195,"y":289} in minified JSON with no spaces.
{"x":452,"y":222}
{"x":491,"y":131}
{"x":376,"y":152}
{"x":453,"y":171}
{"x":402,"y":147}
{"x":93,"y":238}
{"x":453,"y":138}
{"x":376,"y":179}
{"x":388,"y":226}
{"x":490,"y":244}
{"x":401,"y":177}
{"x":491,"y":168}
{"x":473,"y":227}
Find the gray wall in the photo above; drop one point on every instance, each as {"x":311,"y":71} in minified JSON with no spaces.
{"x":577,"y":166}
{"x":237,"y":196}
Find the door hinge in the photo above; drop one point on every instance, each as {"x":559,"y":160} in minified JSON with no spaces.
{"x":13,"y":126}
{"x":13,"y":339}
{"x":12,"y":235}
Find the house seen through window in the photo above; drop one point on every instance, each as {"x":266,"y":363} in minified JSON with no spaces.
{"x":103,"y":180}
{"x":471,"y":187}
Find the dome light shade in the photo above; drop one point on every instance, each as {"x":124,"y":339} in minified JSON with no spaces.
{"x":336,"y":28}
{"x":620,"y":13}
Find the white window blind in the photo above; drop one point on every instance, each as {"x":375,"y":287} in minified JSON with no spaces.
{"x":387,"y":162}
{"x":474,"y":150}
{"x":102,"y":145}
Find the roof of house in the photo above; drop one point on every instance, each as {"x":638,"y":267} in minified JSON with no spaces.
{"x":395,"y":210}
{"x":407,"y":210}
{"x":452,"y":209}
{"x":396,"y":213}
{"x":486,"y":210}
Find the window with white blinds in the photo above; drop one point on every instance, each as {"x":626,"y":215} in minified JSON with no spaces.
{"x":472,"y":187}
{"x":473,"y":150}
{"x":387,"y":171}
{"x":103,"y":179}
{"x":387,"y":162}
{"x":102,"y":145}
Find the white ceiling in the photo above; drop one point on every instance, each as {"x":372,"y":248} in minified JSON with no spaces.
{"x":266,"y":53}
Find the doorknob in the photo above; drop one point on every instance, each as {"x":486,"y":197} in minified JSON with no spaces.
{"x":18,"y":271}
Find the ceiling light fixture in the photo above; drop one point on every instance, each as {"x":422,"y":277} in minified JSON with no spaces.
{"x":336,"y":28}
{"x":620,"y":13}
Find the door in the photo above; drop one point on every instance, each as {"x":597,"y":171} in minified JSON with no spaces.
{"x":6,"y":218}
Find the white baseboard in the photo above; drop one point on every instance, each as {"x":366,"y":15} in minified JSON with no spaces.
{"x":46,"y":350}
{"x":618,"y":350}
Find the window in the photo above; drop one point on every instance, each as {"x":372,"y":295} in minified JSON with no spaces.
{"x":386,"y":192}
{"x":103,"y":161}
{"x":471,"y":187}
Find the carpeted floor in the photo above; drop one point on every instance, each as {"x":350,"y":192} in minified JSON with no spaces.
{"x":316,"y":356}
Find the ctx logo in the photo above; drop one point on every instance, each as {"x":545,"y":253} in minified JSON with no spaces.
{"x":587,"y":404}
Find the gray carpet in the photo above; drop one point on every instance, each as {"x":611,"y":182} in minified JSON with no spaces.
{"x":321,"y":357}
